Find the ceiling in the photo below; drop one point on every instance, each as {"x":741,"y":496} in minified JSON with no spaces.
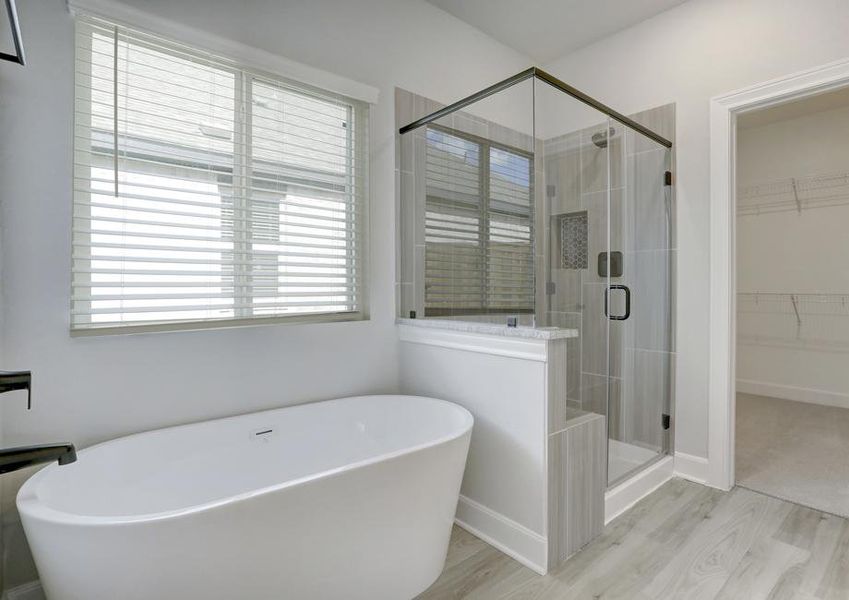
{"x":794,"y":109}
{"x":545,"y":30}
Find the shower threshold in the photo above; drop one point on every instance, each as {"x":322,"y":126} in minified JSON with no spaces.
{"x":625,"y":459}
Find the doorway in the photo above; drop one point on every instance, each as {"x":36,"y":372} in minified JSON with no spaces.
{"x":725,"y":109}
{"x":792,"y":301}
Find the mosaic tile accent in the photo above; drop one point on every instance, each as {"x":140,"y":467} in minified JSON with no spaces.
{"x":573,"y":240}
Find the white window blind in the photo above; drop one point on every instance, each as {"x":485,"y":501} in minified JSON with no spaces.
{"x":478,"y":227}
{"x":208,"y":194}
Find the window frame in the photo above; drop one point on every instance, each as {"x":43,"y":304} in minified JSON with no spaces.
{"x":484,"y":185}
{"x":358,"y":152}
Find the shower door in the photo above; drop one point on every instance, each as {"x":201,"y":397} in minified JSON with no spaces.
{"x":609,"y":273}
{"x":638,"y":294}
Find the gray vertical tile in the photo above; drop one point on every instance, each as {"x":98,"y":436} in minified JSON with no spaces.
{"x":470,"y":124}
{"x":558,"y":376}
{"x":405,"y":154}
{"x":649,"y":201}
{"x":616,"y":404}
{"x":605,"y":213}
{"x":594,"y":393}
{"x":421,"y":106}
{"x":407,"y":225}
{"x":540,"y":279}
{"x":416,"y":203}
{"x":509,"y":136}
{"x":404,"y":106}
{"x":567,"y":290}
{"x":595,"y":163}
{"x":564,"y":177}
{"x":401,"y":98}
{"x":594,"y":327}
{"x":407,"y":298}
{"x":651,"y":299}
{"x":573,"y":371}
{"x":399,"y":240}
{"x":660,"y":119}
{"x":577,"y":470}
{"x":602,"y":168}
{"x":573,"y":353}
{"x":419,"y":282}
{"x":599,"y":334}
{"x":650,"y":398}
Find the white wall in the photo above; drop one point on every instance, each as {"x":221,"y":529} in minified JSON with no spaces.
{"x":687,"y":55}
{"x":91,"y":389}
{"x":796,"y":253}
{"x":506,"y":468}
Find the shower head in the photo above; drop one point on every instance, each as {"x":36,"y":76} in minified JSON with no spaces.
{"x":600,"y":138}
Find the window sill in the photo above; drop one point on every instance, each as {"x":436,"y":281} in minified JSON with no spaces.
{"x":181,"y":326}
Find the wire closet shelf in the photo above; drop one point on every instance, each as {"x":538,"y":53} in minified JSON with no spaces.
{"x":812,"y":321}
{"x":793,"y":194}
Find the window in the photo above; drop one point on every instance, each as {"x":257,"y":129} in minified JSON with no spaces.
{"x":205,"y":193}
{"x":478,"y":226}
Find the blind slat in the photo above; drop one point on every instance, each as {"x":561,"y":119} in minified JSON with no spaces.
{"x":260,"y":283}
{"x":278,"y":276}
{"x":205,"y":295}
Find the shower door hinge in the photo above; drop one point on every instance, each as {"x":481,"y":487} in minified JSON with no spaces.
{"x":667,"y":178}
{"x":550,"y":288}
{"x":665,"y":421}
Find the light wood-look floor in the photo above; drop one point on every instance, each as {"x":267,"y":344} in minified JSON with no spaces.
{"x":683,"y":541}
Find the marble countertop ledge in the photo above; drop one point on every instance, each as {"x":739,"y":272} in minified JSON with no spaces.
{"x":535,"y":333}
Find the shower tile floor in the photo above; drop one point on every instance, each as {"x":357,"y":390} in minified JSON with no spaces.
{"x":794,"y":450}
{"x":625,"y":458}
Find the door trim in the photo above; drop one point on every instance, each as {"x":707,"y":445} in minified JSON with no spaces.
{"x":724,"y":110}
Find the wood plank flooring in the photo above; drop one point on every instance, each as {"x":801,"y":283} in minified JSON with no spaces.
{"x":684,"y":541}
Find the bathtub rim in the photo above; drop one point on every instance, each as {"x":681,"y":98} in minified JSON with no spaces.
{"x":28,"y":503}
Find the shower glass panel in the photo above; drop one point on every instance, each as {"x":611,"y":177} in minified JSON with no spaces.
{"x":467,"y":246}
{"x":577,"y":200}
{"x":532,"y":200}
{"x":640,"y":270}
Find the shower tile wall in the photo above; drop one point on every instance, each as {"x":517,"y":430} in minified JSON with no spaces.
{"x":577,"y":180}
{"x":410,"y":194}
{"x":573,"y":179}
{"x":409,"y":261}
{"x":653,"y":253}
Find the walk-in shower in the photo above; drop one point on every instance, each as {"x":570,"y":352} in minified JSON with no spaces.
{"x":532,"y":199}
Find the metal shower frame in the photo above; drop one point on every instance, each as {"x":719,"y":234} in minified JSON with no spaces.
{"x":536,"y":72}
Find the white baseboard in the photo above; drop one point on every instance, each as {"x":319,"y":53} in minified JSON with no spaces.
{"x":512,"y":538}
{"x":692,"y":468}
{"x":26,"y":591}
{"x":625,"y":495}
{"x":789,"y":392}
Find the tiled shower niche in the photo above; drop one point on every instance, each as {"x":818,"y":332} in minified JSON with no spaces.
{"x":571,"y":229}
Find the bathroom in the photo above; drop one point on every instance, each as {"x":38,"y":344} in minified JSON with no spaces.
{"x":648,"y":396}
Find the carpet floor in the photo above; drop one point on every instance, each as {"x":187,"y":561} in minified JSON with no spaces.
{"x":794,"y":451}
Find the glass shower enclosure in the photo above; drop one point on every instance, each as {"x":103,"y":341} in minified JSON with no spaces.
{"x":534,"y":201}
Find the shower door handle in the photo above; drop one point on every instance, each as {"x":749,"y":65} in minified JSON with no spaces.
{"x":627,"y":291}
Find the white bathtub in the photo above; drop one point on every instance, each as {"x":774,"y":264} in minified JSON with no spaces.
{"x":350,"y":498}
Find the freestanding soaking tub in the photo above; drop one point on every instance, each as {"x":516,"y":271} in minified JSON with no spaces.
{"x":350,"y":498}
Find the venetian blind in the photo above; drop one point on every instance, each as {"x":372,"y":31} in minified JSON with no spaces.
{"x":206,"y":193}
{"x":478,"y":227}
